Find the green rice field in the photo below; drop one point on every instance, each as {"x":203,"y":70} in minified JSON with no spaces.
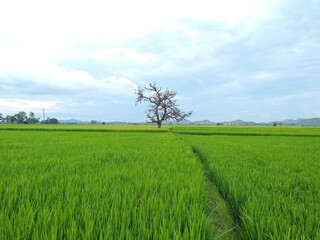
{"x":138,"y":182}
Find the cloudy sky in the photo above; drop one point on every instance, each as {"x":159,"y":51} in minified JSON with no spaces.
{"x":253,"y":60}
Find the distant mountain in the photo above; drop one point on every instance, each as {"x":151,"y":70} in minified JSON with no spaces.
{"x":302,"y":122}
{"x":239,"y":123}
{"x":77,"y":121}
{"x":204,"y":122}
{"x":72,"y":121}
{"x":187,"y":122}
{"x":287,"y":122}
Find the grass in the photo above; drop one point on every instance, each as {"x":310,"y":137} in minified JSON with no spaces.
{"x":248,"y":131}
{"x":83,"y":128}
{"x":139,"y":182}
{"x":271,"y":184}
{"x":91,"y":185}
{"x":216,"y":207}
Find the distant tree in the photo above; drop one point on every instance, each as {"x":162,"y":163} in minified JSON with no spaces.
{"x":51,"y":121}
{"x":275,"y":124}
{"x":21,"y":117}
{"x":32,"y":119}
{"x":162,"y":105}
{"x":11,"y":119}
{"x":1,"y":118}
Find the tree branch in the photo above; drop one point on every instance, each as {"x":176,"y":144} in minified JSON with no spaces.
{"x":162,"y":105}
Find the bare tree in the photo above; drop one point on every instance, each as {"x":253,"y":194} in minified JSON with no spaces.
{"x":162,"y":105}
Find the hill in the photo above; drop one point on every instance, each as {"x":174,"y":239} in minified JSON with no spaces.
{"x":287,"y":122}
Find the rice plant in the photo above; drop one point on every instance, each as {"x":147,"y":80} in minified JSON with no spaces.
{"x":271,"y":184}
{"x":100,"y":185}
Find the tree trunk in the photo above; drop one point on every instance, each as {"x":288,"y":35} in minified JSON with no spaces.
{"x":159,"y":124}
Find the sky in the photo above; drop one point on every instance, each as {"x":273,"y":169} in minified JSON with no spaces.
{"x":255,"y":60}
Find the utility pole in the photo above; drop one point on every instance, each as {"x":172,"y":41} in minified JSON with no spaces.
{"x":43,"y":116}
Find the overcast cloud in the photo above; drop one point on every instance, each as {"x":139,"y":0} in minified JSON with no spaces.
{"x":251,"y":60}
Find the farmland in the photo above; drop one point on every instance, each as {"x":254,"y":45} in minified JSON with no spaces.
{"x":138,"y":182}
{"x":83,"y":185}
{"x":271,"y":184}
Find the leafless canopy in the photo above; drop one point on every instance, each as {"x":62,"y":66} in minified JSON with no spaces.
{"x":162,"y":105}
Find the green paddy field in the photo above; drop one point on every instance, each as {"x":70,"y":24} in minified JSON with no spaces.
{"x":139,"y":182}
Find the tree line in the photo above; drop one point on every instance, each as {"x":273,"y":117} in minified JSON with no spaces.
{"x":23,"y":118}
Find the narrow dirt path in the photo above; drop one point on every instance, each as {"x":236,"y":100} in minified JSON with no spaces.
{"x":216,"y":207}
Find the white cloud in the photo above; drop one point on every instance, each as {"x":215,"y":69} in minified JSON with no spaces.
{"x":118,"y":55}
{"x":300,"y":96}
{"x":264,"y":76}
{"x":260,"y":79}
{"x":231,"y":87}
{"x":58,"y":23}
{"x":45,"y":75}
{"x":39,"y":33}
{"x":118,"y":85}
{"x":28,"y":105}
{"x":81,"y":52}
